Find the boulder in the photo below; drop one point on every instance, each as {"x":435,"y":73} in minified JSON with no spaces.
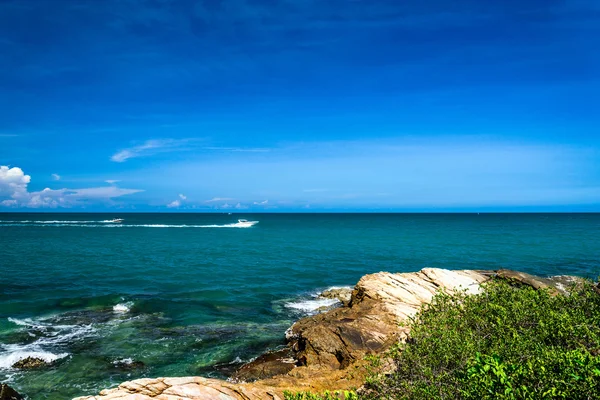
{"x":30,"y":363}
{"x":343,"y":294}
{"x":8,"y":393}
{"x":267,"y":365}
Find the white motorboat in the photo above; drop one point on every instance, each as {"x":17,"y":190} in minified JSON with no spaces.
{"x":244,"y":223}
{"x":116,"y":220}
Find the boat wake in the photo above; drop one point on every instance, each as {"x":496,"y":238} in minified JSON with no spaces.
{"x":114,"y":224}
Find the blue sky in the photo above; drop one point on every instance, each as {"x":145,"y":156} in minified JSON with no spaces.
{"x":299,"y":105}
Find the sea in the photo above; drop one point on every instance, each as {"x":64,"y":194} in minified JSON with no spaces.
{"x":184,"y":294}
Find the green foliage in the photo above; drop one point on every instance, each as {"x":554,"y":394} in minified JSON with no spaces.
{"x":505,"y":343}
{"x":340,"y":395}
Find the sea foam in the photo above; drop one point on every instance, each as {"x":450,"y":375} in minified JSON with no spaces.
{"x":123,"y":307}
{"x":311,"y":306}
{"x":8,"y":358}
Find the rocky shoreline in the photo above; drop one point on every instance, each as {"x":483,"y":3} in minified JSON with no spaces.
{"x":327,"y":351}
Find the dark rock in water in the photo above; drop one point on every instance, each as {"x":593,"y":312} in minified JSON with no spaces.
{"x":8,"y":393}
{"x":30,"y":363}
{"x":266,"y":366}
{"x":128,"y":364}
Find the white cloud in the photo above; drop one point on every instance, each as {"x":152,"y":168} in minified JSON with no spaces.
{"x":56,"y":177}
{"x":151,"y":147}
{"x":111,"y":181}
{"x":13,"y":184}
{"x":218,"y":199}
{"x":174,"y":204}
{"x":178,"y":202}
{"x":262,"y":203}
{"x":241,"y":206}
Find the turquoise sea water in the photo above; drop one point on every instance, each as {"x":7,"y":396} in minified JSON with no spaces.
{"x":193,"y":294}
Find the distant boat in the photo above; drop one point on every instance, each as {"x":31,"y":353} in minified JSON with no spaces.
{"x":244,"y":223}
{"x":116,"y":220}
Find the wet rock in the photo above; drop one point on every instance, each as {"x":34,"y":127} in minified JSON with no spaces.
{"x":267,"y":365}
{"x":342,"y":294}
{"x":30,"y":363}
{"x":8,"y":393}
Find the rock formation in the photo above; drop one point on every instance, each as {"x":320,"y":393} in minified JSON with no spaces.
{"x":343,"y":294}
{"x":8,"y":393}
{"x":326,"y":351}
{"x":30,"y":363}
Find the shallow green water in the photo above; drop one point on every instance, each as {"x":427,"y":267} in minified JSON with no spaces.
{"x":193,"y":294}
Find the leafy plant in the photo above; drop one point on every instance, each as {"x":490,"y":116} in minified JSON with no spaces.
{"x":506,"y":343}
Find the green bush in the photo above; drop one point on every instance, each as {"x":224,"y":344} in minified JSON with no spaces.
{"x":506,"y":343}
{"x":345,"y":395}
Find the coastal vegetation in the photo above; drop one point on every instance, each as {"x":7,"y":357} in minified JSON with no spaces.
{"x":509,"y":342}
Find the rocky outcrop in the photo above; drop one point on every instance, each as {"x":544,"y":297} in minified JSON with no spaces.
{"x":326,"y":351}
{"x":8,"y":393}
{"x":30,"y":363}
{"x":343,"y":294}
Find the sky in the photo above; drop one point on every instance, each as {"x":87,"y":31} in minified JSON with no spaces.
{"x":299,"y":105}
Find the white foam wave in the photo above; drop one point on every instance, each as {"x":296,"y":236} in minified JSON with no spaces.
{"x":28,"y":322}
{"x":8,"y":359}
{"x":49,"y":345}
{"x":127,"y":361}
{"x":337,"y":288}
{"x":311,"y":306}
{"x":123,"y":307}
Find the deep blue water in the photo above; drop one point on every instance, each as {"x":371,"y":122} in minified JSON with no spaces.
{"x":185,"y":295}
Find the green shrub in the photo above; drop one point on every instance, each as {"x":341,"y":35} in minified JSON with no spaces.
{"x":340,"y":395}
{"x":506,"y":343}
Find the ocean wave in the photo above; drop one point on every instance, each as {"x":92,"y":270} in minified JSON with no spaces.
{"x":123,"y":307}
{"x":125,"y":361}
{"x":311,"y":306}
{"x":49,"y":334}
{"x":18,"y":353}
{"x":49,"y":344}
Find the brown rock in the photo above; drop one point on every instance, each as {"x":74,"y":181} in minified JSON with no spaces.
{"x":8,"y":393}
{"x":267,"y":365}
{"x":30,"y":363}
{"x":530,"y":280}
{"x":344,"y":294}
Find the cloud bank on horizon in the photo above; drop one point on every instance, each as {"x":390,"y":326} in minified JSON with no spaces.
{"x":300,"y":104}
{"x":14,"y":193}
